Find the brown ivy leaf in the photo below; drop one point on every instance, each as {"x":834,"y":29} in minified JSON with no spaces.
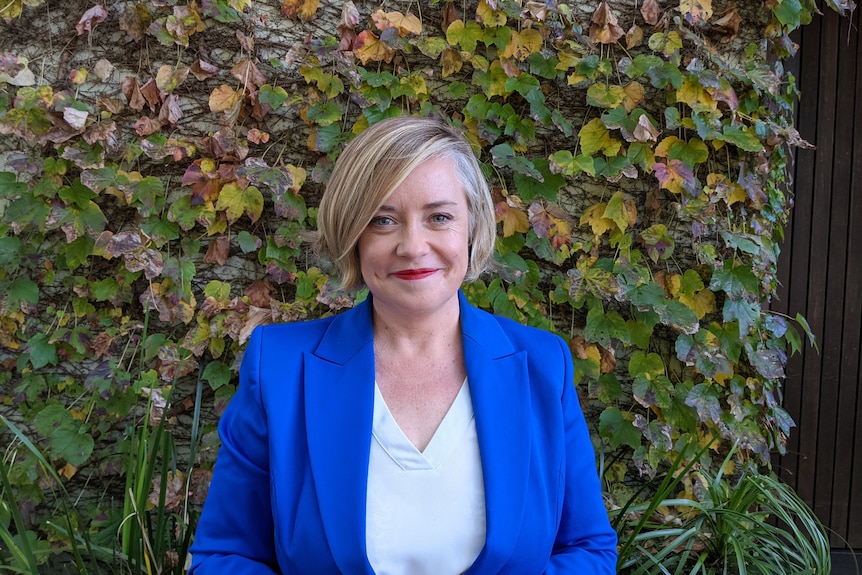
{"x":696,"y":11}
{"x":651,"y":12}
{"x":645,"y":131}
{"x":170,"y":113}
{"x":90,"y":19}
{"x":246,"y":72}
{"x":369,"y":48}
{"x":103,"y":69}
{"x":102,"y":345}
{"x":604,"y":28}
{"x":151,"y":94}
{"x":634,"y":37}
{"x":349,"y":16}
{"x":536,"y":11}
{"x":728,"y":24}
{"x":675,"y":177}
{"x":299,"y":9}
{"x":550,"y":221}
{"x":102,"y":132}
{"x":224,"y":98}
{"x":218,"y":250}
{"x":255,"y":136}
{"x":146,"y":126}
{"x":203,"y":70}
{"x":579,"y":347}
{"x":634,"y":95}
{"x":608,"y":362}
{"x":135,"y":20}
{"x":450,"y":14}
{"x":174,"y":490}
{"x":245,"y":42}
{"x":259,"y":293}
{"x":132,"y":92}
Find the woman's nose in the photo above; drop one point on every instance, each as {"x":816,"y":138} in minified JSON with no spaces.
{"x":412,"y":241}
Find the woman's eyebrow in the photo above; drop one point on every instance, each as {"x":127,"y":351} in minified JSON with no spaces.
{"x":428,"y":206}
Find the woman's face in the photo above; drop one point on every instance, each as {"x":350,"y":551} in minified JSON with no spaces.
{"x":414,"y":253}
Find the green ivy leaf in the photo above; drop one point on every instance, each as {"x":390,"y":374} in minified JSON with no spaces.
{"x":704,"y":399}
{"x":504,"y":156}
{"x":22,"y":289}
{"x":272,"y":96}
{"x":789,"y":12}
{"x":75,"y":446}
{"x":617,"y":429}
{"x":605,"y":96}
{"x":41,"y":351}
{"x":603,"y":327}
{"x":594,"y":137}
{"x":217,"y":374}
{"x":742,"y":137}
{"x":247,"y":242}
{"x":10,"y":253}
{"x":522,"y":84}
{"x":735,"y":280}
{"x":324,"y":113}
{"x":465,"y":35}
{"x":742,"y":311}
{"x":529,"y":187}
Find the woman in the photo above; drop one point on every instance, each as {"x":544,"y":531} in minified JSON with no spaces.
{"x":413,"y":434}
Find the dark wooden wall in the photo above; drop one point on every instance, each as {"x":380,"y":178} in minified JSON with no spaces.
{"x":821,"y":274}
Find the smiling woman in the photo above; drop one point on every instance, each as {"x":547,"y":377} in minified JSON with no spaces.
{"x":414,"y":433}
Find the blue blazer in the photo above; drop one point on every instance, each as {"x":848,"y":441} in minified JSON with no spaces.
{"x":289,"y":485}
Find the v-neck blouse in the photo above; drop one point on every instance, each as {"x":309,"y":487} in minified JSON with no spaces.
{"x":425,"y":511}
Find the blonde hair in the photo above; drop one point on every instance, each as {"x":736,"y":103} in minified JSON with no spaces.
{"x":369,"y":169}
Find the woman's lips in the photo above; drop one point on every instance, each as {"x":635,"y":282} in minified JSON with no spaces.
{"x":414,"y":274}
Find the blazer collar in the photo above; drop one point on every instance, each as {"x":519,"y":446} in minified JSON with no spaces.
{"x":339,"y":400}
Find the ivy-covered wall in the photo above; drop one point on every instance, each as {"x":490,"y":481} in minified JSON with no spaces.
{"x":161,"y":161}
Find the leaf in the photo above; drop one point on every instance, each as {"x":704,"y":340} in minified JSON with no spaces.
{"x":41,"y":351}
{"x":218,"y":250}
{"x":742,"y":137}
{"x":272,"y":96}
{"x":236,"y":202}
{"x":622,"y":211}
{"x":594,"y":137}
{"x":603,"y":327}
{"x":522,"y":44}
{"x":668,"y":43}
{"x":302,"y":10}
{"x":404,"y":24}
{"x":511,"y":213}
{"x":619,"y":430}
{"x":369,"y":48}
{"x":464,"y":35}
{"x":73,"y":445}
{"x":604,"y":28}
{"x":651,"y":11}
{"x":224,"y":98}
{"x":704,"y":399}
{"x":696,"y":11}
{"x":605,"y":96}
{"x":90,"y":19}
{"x":595,"y":217}
{"x":217,"y":374}
{"x":676,"y":177}
{"x":504,"y":156}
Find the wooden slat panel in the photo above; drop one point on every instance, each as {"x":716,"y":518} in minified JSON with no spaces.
{"x":838,"y":399}
{"x":821,"y":274}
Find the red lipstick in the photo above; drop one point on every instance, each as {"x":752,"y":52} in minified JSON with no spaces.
{"x":416,"y":274}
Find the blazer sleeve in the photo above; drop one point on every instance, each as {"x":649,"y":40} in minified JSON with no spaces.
{"x":235,"y":533}
{"x":585,"y":542}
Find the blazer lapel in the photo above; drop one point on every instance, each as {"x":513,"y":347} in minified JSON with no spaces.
{"x":499,"y":386}
{"x":339,"y":400}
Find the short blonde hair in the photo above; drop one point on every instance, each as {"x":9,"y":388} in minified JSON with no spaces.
{"x":369,"y":169}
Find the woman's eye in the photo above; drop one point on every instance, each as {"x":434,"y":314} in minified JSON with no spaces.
{"x":382,"y":221}
{"x":440,"y":218}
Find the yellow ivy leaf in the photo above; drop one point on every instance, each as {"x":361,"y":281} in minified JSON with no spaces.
{"x":595,"y":137}
{"x":702,"y":302}
{"x":236,"y":201}
{"x":498,"y":77}
{"x":489,"y":17}
{"x":666,"y":43}
{"x":523,"y":43}
{"x":634,"y":95}
{"x":696,"y":11}
{"x":299,"y":9}
{"x":405,"y":24}
{"x":594,"y":216}
{"x":664,"y":147}
{"x":693,"y":93}
{"x":605,"y":95}
{"x":450,"y":62}
{"x":622,"y":211}
{"x":369,"y":48}
{"x":513,"y":216}
{"x":224,"y":98}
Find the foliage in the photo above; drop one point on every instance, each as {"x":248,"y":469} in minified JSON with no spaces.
{"x":751,"y":524}
{"x":639,"y":180}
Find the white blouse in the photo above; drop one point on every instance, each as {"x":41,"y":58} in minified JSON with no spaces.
{"x":425,"y":511}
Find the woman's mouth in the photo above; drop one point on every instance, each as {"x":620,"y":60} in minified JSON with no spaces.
{"x":416,"y":274}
